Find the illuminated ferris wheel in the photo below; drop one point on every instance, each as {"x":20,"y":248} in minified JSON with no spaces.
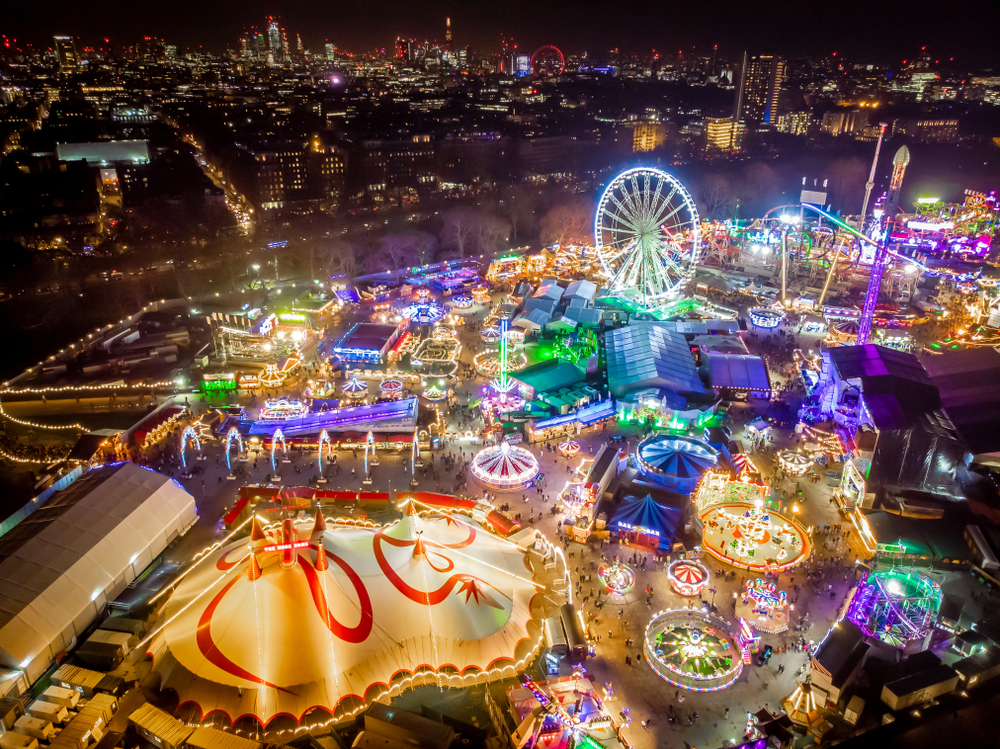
{"x":647,"y":233}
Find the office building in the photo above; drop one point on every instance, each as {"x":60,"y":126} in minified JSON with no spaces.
{"x":66,"y":53}
{"x":648,"y":136}
{"x":760,"y":84}
{"x":723,"y":134}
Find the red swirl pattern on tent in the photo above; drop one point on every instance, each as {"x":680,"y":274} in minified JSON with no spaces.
{"x":271,"y":625}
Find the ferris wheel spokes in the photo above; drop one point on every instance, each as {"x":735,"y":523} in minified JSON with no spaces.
{"x":646,"y":233}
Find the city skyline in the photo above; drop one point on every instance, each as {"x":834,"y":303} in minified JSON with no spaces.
{"x":856,"y":30}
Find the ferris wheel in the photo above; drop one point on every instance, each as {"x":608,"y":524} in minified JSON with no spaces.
{"x":647,"y":233}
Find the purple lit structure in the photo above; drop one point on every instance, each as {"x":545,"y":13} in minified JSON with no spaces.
{"x":899,"y":163}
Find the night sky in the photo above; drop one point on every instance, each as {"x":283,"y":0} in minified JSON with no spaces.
{"x":881,"y":31}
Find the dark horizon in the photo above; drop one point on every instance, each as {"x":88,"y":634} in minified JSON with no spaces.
{"x":862,"y":31}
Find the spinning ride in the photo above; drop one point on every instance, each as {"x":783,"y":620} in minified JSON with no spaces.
{"x":421,"y":313}
{"x":898,"y":607}
{"x":282,"y":409}
{"x":692,"y":650}
{"x":391,"y":389}
{"x":355,"y":389}
{"x":616,"y":578}
{"x":763,"y":606}
{"x":504,"y":467}
{"x":753,"y":537}
{"x":767,"y":318}
{"x":647,"y":234}
{"x":688,"y":577}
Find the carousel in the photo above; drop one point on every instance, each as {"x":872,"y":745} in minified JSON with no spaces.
{"x":504,"y":467}
{"x":692,"y":650}
{"x":569,"y":448}
{"x":434,"y":393}
{"x":307,"y":620}
{"x":753,"y":537}
{"x":355,"y":389}
{"x":794,"y":463}
{"x":391,"y":389}
{"x":688,"y":577}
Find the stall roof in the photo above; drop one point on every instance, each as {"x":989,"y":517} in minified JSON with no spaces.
{"x":737,"y":371}
{"x":648,"y":514}
{"x":581,"y":289}
{"x":650,"y":354}
{"x":551,"y":374}
{"x":940,"y":538}
{"x":967,"y":384}
{"x":161,"y":724}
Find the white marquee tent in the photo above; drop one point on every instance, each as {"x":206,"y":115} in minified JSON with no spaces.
{"x":61,"y":564}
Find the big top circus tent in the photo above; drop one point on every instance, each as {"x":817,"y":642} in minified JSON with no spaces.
{"x":267,"y":628}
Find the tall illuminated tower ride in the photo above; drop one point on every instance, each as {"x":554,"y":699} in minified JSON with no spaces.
{"x":899,"y":163}
{"x":502,"y":385}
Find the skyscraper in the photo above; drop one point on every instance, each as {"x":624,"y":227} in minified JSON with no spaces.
{"x":447,"y":34}
{"x":760,"y":83}
{"x":274,"y":40}
{"x":66,"y":53}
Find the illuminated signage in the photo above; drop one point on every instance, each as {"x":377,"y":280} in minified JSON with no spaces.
{"x":639,"y":529}
{"x":287,"y":547}
{"x":929,"y":226}
{"x":215,"y":385}
{"x":292,"y":317}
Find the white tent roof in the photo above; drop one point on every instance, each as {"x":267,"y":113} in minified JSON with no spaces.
{"x":60,"y":565}
{"x":299,"y":638}
{"x":581,"y":289}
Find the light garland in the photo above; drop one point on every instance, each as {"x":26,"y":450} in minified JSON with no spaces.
{"x":34,"y":425}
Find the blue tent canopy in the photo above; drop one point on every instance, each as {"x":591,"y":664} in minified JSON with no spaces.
{"x":648,"y":516}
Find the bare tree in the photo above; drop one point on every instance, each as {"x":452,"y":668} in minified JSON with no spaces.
{"x":489,"y":231}
{"x":515,"y":205}
{"x":716,"y":195}
{"x":566,"y":224}
{"x":424,"y":246}
{"x":396,"y":251}
{"x":458,"y":231}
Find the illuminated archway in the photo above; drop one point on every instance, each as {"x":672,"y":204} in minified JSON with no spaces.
{"x":278,"y":436}
{"x":188,"y":435}
{"x":324,"y":439}
{"x":233,"y":434}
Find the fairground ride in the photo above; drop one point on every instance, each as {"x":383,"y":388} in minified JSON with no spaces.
{"x":648,"y":236}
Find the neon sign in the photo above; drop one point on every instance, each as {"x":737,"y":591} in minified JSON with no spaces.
{"x":287,"y":546}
